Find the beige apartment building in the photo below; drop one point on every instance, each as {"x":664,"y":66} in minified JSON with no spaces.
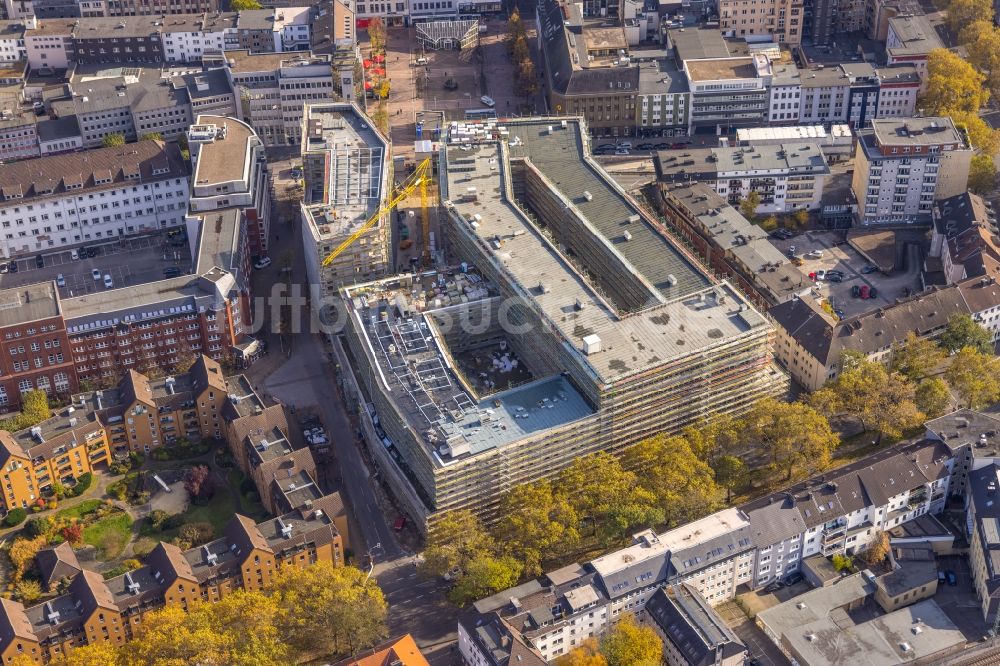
{"x":782,"y":20}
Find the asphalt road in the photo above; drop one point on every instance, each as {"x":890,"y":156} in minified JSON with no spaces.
{"x":299,"y":372}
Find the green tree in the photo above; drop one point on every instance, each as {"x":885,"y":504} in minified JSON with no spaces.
{"x":343,"y":601}
{"x":539,"y":524}
{"x":243,"y":5}
{"x":916,"y":358}
{"x":982,"y":137}
{"x":631,"y":644}
{"x":881,"y":400}
{"x":455,"y":539}
{"x":15,"y":517}
{"x":587,"y":654}
{"x":113,"y":140}
{"x":484,"y":576}
{"x":151,"y":136}
{"x":600,"y":489}
{"x":749,"y":205}
{"x":730,"y":473}
{"x":682,"y":484}
{"x":975,"y":376}
{"x":796,"y":438}
{"x":982,"y":174}
{"x":933,"y":397}
{"x":842,"y":562}
{"x":963,"y":331}
{"x":952,"y":85}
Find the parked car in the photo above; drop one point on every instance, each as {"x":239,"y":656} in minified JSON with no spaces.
{"x":13,"y":266}
{"x":834,"y":278}
{"x":952,"y":578}
{"x":869,"y":269}
{"x":627,"y":145}
{"x":791,"y":250}
{"x":621,"y":151}
{"x":488,"y":101}
{"x":662,"y":146}
{"x":815,"y":254}
{"x":812,"y":275}
{"x":646,"y":146}
{"x":856,"y":290}
{"x":840,"y":314}
{"x":773,"y":586}
{"x":74,"y":255}
{"x":864,"y":291}
{"x":60,"y":280}
{"x":96,"y":274}
{"x":108,"y":282}
{"x":39,"y":261}
{"x":942,"y":579}
{"x":399,"y":524}
{"x":798,"y":261}
{"x":263,"y":262}
{"x":171,"y":271}
{"x":873,"y":293}
{"x":820,"y":275}
{"x":793,"y":578}
{"x":4,"y":267}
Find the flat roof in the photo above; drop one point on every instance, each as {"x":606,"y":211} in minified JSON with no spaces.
{"x":20,"y":305}
{"x":428,"y":392}
{"x":243,"y":61}
{"x":355,"y":157}
{"x":931,"y":130}
{"x":225,"y":158}
{"x":814,"y":133}
{"x":684,"y":312}
{"x":916,"y":33}
{"x":716,"y":69}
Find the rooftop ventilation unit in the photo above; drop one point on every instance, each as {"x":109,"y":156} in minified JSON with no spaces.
{"x":588,"y":196}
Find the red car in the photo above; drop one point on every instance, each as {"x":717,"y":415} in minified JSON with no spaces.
{"x":864,"y":291}
{"x":399,"y":524}
{"x":812,"y":276}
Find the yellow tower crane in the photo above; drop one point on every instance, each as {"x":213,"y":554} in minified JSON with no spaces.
{"x":419,"y":178}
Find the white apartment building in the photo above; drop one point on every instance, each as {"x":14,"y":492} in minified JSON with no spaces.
{"x":218,"y":34}
{"x":750,"y":545}
{"x":60,"y":200}
{"x":48,"y":43}
{"x":825,"y":96}
{"x":903,"y":166}
{"x":784,"y":94}
{"x":273,"y":88}
{"x":12,"y":48}
{"x":230,"y":171}
{"x":292,"y":29}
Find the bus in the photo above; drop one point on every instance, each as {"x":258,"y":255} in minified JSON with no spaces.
{"x":480,"y":114}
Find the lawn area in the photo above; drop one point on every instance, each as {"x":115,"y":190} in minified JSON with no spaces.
{"x":80,"y":510}
{"x":218,"y":512}
{"x":109,"y":535}
{"x":250,"y":501}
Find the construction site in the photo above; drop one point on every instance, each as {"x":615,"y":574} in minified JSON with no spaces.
{"x":568,"y":322}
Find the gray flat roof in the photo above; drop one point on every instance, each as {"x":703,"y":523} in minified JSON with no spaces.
{"x":917,"y":34}
{"x":32,"y":302}
{"x":678,"y":321}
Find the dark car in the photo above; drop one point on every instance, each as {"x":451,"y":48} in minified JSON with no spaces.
{"x":646,"y":146}
{"x":873,"y":293}
{"x":834,"y":278}
{"x":399,"y":524}
{"x":662,"y":146}
{"x":793,"y":578}
{"x":13,"y":266}
{"x":869,"y":269}
{"x":40,"y":261}
{"x":856,"y":290}
{"x":952,"y":578}
{"x":774,"y":586}
{"x":171,"y":271}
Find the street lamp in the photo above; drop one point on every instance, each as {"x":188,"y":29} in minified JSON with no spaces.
{"x":371,"y":560}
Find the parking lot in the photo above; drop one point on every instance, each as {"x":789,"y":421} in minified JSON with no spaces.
{"x":838,"y":255}
{"x":136,"y":260}
{"x":959,"y":601}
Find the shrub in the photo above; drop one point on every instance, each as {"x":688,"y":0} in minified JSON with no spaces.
{"x":122,"y":569}
{"x":174,"y":521}
{"x":247,"y":486}
{"x":118,"y":490}
{"x":161,"y":454}
{"x":82,"y":484}
{"x":842,"y":562}
{"x":53,"y":505}
{"x":37,"y":527}
{"x":138,"y":499}
{"x":136,"y":459}
{"x":15,"y":517}
{"x":157,"y":518}
{"x":119,"y":467}
{"x":196,"y":533}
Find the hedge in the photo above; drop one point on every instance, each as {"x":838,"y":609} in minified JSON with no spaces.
{"x":15,"y":517}
{"x":82,"y":484}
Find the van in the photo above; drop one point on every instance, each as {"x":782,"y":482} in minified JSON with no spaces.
{"x":421,"y":61}
{"x":108,"y":282}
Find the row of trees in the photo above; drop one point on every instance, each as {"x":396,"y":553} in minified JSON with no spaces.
{"x":526,"y":77}
{"x":627,"y":644}
{"x":956,"y":88}
{"x":320,"y":611}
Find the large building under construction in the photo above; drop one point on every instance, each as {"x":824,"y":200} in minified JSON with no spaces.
{"x":574,"y":325}
{"x":346,"y":170}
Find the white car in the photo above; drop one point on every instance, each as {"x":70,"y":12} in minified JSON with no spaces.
{"x":262,"y":263}
{"x":108,"y":282}
{"x":96,"y":274}
{"x":488,"y":101}
{"x":815,"y":254}
{"x":60,"y":280}
{"x":820,"y":275}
